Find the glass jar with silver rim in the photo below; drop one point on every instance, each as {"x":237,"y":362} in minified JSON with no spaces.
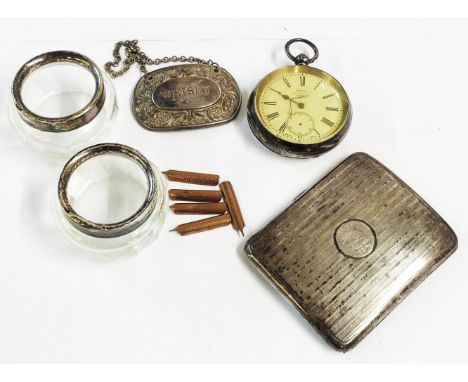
{"x":111,"y":200}
{"x":61,"y":102}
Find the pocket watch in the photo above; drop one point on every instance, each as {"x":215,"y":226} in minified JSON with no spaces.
{"x":299,"y":111}
{"x":198,"y":93}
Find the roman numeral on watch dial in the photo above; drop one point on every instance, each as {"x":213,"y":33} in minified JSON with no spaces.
{"x":272,"y":116}
{"x":282,"y":128}
{"x":286,"y":82}
{"x":326,"y":121}
{"x":332,"y":109}
{"x":328,"y":96}
{"x":271,"y":103}
{"x":302,"y":80}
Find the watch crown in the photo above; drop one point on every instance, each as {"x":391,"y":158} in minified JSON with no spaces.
{"x":301,"y":59}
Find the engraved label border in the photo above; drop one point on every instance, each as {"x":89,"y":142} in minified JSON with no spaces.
{"x":150,"y":116}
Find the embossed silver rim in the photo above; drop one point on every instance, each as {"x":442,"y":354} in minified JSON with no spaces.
{"x":60,"y":124}
{"x":113,"y":229}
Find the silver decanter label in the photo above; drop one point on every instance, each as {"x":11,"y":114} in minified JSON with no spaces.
{"x":186,"y":96}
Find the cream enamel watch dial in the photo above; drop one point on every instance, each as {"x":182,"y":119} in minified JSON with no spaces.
{"x":299,"y":111}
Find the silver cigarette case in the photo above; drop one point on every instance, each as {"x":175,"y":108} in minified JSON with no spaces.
{"x":351,"y":248}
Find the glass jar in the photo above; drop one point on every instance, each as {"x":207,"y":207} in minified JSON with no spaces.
{"x":111,"y":200}
{"x":61,"y":102}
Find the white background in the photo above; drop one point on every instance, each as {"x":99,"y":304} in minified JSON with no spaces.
{"x":197,"y":298}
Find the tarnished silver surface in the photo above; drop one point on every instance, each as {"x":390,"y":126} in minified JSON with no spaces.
{"x":186,"y":96}
{"x":297,"y":148}
{"x":351,"y":248}
{"x":70,"y":122}
{"x":193,"y":95}
{"x":301,"y":59}
{"x":182,"y":93}
{"x":113,"y":229}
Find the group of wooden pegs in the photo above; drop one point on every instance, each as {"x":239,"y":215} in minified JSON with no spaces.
{"x":205,"y":202}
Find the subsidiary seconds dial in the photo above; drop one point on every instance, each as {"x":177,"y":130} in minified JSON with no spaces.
{"x":299,"y":111}
{"x":300,"y":108}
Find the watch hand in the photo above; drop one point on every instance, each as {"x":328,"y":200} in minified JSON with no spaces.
{"x":300,"y":105}
{"x":281,"y":94}
{"x":302,"y":96}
